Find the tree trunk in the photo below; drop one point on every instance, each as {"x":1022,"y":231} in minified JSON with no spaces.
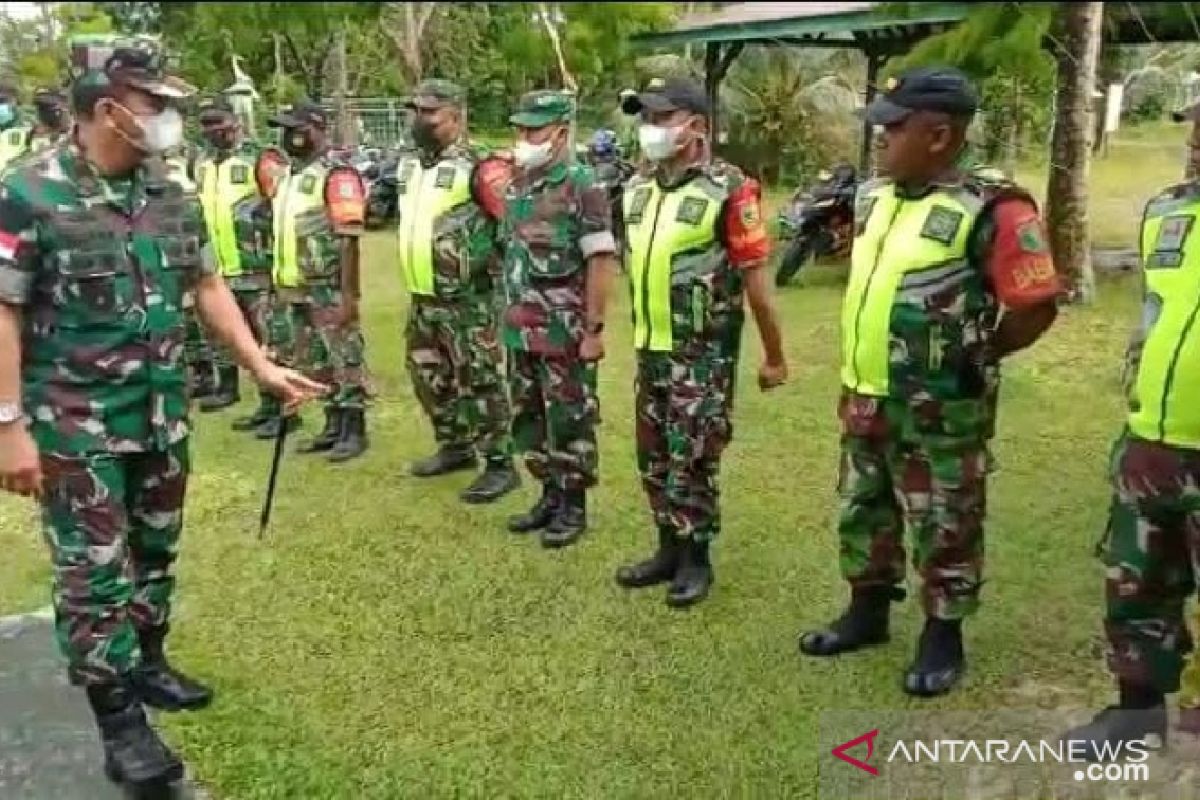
{"x":405,"y":25}
{"x":346,"y":129}
{"x":1077,"y":27}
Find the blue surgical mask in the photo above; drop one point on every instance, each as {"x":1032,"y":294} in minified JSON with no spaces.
{"x":7,"y":114}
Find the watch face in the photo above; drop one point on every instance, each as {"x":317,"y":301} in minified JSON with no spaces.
{"x":9,"y":413}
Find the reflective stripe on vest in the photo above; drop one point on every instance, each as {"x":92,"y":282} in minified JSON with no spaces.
{"x":1166,"y":392}
{"x":14,"y":143}
{"x":905,"y":249}
{"x":424,"y":195}
{"x":297,"y":194}
{"x":661,"y":226}
{"x":222,"y":186}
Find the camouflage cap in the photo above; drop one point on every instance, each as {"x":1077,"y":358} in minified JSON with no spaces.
{"x":135,"y":61}
{"x":435,"y":93}
{"x":215,"y":110}
{"x":539,"y":109}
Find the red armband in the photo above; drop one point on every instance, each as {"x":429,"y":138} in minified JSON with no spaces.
{"x":745,"y":232}
{"x":1019,"y":264}
{"x":345,"y":198}
{"x":491,"y":181}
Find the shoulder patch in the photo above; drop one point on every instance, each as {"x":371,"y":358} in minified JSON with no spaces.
{"x":1029,"y":236}
{"x":308,"y":184}
{"x":444,"y":178}
{"x":942,"y":224}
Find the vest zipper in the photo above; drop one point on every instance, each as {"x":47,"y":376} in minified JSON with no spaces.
{"x":1183,"y":337}
{"x":662,"y":196}
{"x":862,"y":304}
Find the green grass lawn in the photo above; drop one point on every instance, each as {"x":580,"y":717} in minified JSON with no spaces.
{"x":386,"y":641}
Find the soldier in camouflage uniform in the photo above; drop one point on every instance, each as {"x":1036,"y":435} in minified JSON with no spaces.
{"x":950,"y":274}
{"x":696,"y":251}
{"x":97,"y":250}
{"x":318,"y":215}
{"x":558,"y":261}
{"x":237,"y":216}
{"x":1151,"y":549}
{"x":52,"y":120}
{"x":449,"y":201}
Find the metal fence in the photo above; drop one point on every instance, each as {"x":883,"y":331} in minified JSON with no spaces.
{"x":380,"y":121}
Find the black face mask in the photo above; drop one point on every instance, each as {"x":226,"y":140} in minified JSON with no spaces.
{"x":297,"y":143}
{"x":51,"y":116}
{"x":222,"y":138}
{"x":424,"y":134}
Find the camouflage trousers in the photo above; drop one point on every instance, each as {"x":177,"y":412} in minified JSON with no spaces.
{"x":1151,"y":552}
{"x":455,"y":364}
{"x":684,"y":407}
{"x":255,"y":305}
{"x":112,"y":522}
{"x":197,"y":350}
{"x":891,"y":484}
{"x":315,"y":342}
{"x":555,"y":409}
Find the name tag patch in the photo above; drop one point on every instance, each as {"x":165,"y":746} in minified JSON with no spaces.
{"x":445,"y":178}
{"x":638,"y":207}
{"x":691,"y":210}
{"x":308,"y":185}
{"x":239,"y":173}
{"x":942,"y":225}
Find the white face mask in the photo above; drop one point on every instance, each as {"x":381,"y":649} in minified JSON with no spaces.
{"x":659,"y":143}
{"x":532,"y":156}
{"x":163,"y":131}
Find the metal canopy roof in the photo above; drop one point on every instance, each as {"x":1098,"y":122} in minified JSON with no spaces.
{"x":861,"y":25}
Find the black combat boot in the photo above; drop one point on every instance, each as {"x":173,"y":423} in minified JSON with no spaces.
{"x":329,"y":435}
{"x":267,"y":408}
{"x":270,"y":429}
{"x":569,"y":521}
{"x":1139,"y":716}
{"x":498,"y":478}
{"x":158,"y":684}
{"x":133,"y":753}
{"x":658,"y":568}
{"x":863,"y":624}
{"x":448,"y":458}
{"x":203,"y":382}
{"x":540,"y":515}
{"x":225,"y":393}
{"x":693,"y":578}
{"x":940,"y":661}
{"x":353,"y":441}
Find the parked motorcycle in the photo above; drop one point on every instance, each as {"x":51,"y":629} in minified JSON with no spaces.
{"x":378,"y":171}
{"x":818,"y":222}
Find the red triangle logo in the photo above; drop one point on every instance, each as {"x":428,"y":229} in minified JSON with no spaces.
{"x":868,"y":737}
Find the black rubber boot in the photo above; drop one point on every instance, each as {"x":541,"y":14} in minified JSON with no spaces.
{"x":1139,"y":716}
{"x":270,"y":429}
{"x":498,"y":478}
{"x":863,"y":624}
{"x":225,"y":393}
{"x":540,"y":515}
{"x":353,"y":442}
{"x":569,"y":522}
{"x":329,"y":435}
{"x":267,"y":408}
{"x":448,"y":458}
{"x":940,"y":661}
{"x":161,"y":686}
{"x":694,"y":577}
{"x":134,"y":755}
{"x":658,"y":568}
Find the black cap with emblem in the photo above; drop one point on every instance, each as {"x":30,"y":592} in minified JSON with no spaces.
{"x":668,"y":94}
{"x":303,"y":113}
{"x":941,"y":89}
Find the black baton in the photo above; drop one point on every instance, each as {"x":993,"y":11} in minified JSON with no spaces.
{"x":276,"y":460}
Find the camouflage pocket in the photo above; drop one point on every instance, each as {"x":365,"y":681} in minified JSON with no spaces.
{"x":92,"y":288}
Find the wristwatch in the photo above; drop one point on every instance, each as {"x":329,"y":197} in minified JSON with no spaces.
{"x":10,"y":413}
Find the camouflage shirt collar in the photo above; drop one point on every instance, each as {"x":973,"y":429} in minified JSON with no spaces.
{"x":551,"y":175}
{"x":950,"y":177}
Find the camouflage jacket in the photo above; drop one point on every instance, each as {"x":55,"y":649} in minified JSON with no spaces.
{"x":555,"y":219}
{"x":466,"y":253}
{"x":99,"y":268}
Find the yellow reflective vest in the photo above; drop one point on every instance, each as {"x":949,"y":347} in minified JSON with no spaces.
{"x":1165,"y":396}
{"x":427,"y":197}
{"x":14,"y":143}
{"x":682,"y":285}
{"x":305,"y":246}
{"x":913,"y":298}
{"x":224,"y":186}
